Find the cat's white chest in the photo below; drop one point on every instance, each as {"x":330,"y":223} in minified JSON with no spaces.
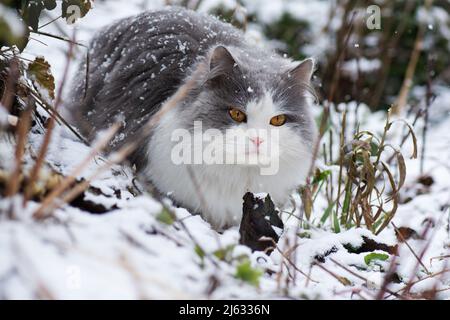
{"x":221,"y":193}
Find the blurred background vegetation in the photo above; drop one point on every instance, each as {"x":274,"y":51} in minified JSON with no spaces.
{"x":386,"y":51}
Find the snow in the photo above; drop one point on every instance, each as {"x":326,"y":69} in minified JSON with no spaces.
{"x":362,"y":65}
{"x":4,"y":116}
{"x":129,"y":253}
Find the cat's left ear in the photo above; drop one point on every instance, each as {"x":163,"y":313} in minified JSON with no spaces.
{"x":303,"y":72}
{"x":221,"y":62}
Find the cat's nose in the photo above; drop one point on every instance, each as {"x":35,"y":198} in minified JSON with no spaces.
{"x":257,"y":141}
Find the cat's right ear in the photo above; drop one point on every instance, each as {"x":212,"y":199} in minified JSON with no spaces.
{"x":221,"y":62}
{"x":303,"y":72}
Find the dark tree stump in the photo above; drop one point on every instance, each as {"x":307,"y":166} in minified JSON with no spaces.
{"x":258,"y":218}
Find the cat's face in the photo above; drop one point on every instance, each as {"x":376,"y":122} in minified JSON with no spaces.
{"x":252,"y":114}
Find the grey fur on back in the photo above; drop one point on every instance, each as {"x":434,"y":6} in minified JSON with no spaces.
{"x":139,"y":62}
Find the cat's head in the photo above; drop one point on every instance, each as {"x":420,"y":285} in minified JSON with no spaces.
{"x":257,"y":106}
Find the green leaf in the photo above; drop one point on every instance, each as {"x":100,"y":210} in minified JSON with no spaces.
{"x":320,"y":176}
{"x":39,"y":72}
{"x":375,"y":256}
{"x":165,"y":217}
{"x":199,"y":251}
{"x":304,"y":235}
{"x":327,"y":212}
{"x":247,"y":273}
{"x":224,"y":254}
{"x":348,"y":195}
{"x":336,"y":225}
{"x":346,"y":205}
{"x":374,"y":148}
{"x":377,"y":223}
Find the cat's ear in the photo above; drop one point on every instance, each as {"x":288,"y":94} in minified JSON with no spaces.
{"x":303,"y":72}
{"x":221,"y":62}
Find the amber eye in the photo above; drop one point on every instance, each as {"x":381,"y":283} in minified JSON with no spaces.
{"x":278,"y":120}
{"x":237,"y":115}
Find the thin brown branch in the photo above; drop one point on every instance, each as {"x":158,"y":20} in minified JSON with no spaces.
{"x":399,"y":234}
{"x":71,"y":42}
{"x":387,"y":280}
{"x":71,"y":178}
{"x":22,"y":135}
{"x":422,"y":253}
{"x":334,"y":275}
{"x":294,"y":265}
{"x":363,"y":278}
{"x":48,"y":134}
{"x":10,"y":86}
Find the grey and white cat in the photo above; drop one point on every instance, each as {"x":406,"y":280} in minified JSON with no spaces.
{"x":138,"y":63}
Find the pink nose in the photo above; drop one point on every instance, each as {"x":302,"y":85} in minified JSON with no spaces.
{"x":257,"y":141}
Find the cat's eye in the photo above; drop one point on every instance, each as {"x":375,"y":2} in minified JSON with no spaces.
{"x":237,"y":115}
{"x":278,"y":120}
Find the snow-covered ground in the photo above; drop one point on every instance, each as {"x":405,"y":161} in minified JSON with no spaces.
{"x":129,"y":253}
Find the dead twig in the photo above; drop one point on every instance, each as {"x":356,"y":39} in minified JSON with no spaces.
{"x":48,"y":134}
{"x":10,"y":86}
{"x":422,"y":253}
{"x":22,"y":134}
{"x":293,"y":264}
{"x":71,"y":42}
{"x":362,"y":278}
{"x":387,"y":279}
{"x":344,"y":281}
{"x":70,"y":179}
{"x":399,"y":234}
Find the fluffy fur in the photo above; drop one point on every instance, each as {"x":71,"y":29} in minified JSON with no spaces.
{"x":139,"y":62}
